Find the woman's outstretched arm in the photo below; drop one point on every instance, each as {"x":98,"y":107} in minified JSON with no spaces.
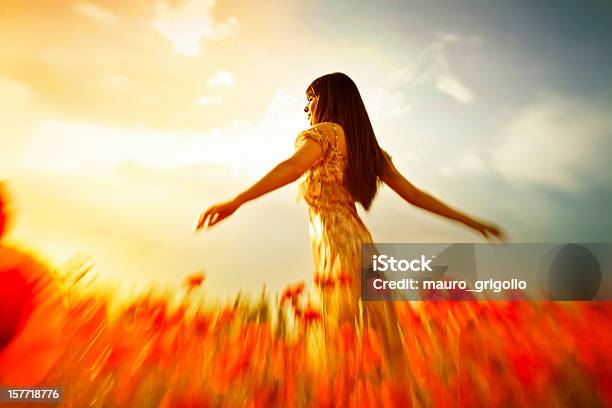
{"x":282,"y":174}
{"x":394,"y":179}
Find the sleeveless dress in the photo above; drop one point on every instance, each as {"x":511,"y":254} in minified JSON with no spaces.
{"x":336,"y":234}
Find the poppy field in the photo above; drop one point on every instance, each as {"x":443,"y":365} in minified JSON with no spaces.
{"x":279,"y":351}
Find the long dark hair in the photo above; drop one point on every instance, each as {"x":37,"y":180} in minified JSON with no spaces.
{"x":340,"y":102}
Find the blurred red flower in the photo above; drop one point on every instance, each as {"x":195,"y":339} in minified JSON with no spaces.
{"x":308,"y":315}
{"x":2,"y":209}
{"x":32,"y":319}
{"x":292,"y":293}
{"x":194,"y":281}
{"x":343,"y":279}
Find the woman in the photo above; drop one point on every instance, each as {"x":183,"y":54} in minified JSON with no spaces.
{"x":344,"y":165}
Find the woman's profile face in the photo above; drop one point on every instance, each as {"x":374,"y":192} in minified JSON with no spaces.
{"x":310,"y":107}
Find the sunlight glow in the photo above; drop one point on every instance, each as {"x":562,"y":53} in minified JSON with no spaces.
{"x":97,"y":149}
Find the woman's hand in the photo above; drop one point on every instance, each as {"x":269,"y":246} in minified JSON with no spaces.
{"x":216,"y":213}
{"x":489,"y":231}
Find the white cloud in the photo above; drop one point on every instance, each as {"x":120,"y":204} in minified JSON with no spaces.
{"x":449,"y":37}
{"x":207,"y":100}
{"x":385,"y":103}
{"x":96,"y":149}
{"x":455,"y":38}
{"x":557,"y":142}
{"x":385,"y":96}
{"x":227,"y":28}
{"x":222,"y":78}
{"x":453,"y":87}
{"x":78,"y":146}
{"x":94,"y":12}
{"x":437,"y":69}
{"x":468,"y":163}
{"x":186,"y":26}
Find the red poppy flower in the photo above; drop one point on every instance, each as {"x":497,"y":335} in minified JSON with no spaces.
{"x":292,"y":293}
{"x":194,"y":281}
{"x":311,"y":314}
{"x":33,"y":317}
{"x":308,"y":315}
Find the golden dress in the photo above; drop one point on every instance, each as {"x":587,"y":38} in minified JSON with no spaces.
{"x":336,"y":233}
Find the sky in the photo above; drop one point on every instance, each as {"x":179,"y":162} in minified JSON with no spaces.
{"x":122,"y":121}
